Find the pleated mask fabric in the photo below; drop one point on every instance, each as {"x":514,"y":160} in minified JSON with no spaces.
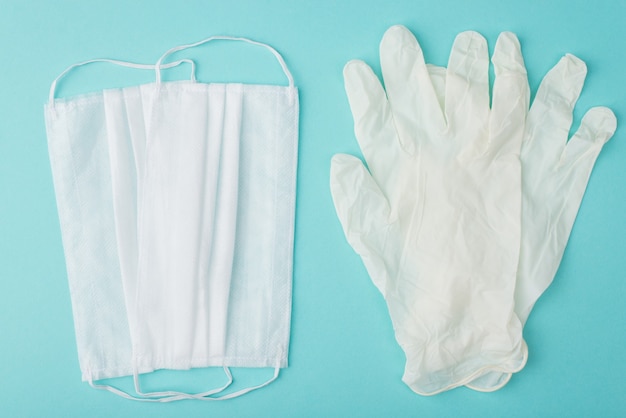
{"x":176,"y":202}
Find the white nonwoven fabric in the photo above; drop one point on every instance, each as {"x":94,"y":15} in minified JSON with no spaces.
{"x":78,"y":146}
{"x":176,"y":202}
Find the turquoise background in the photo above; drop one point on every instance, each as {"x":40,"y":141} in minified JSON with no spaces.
{"x":343,"y":357}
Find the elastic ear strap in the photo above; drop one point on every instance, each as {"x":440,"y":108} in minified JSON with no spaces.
{"x":279,"y":57}
{"x":166,"y":396}
{"x":122,"y":64}
{"x":244,"y":391}
{"x":171,"y":396}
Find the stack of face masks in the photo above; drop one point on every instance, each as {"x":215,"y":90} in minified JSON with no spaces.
{"x":176,"y":202}
{"x":465,"y":208}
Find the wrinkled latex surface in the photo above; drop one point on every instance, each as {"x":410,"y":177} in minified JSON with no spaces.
{"x":436,"y":215}
{"x":555,"y":173}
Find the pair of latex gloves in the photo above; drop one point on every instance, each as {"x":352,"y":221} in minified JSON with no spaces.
{"x":465,"y":208}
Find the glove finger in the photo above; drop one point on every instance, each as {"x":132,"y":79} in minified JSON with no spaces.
{"x":409,"y":88}
{"x":373,"y":122}
{"x":467,"y":82}
{"x":573,"y":171}
{"x":551,"y":114}
{"x":363,"y":211}
{"x":360,"y":204}
{"x":511,"y":94}
{"x":596,"y":128}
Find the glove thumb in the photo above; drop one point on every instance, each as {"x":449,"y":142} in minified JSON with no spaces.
{"x":363,"y":212}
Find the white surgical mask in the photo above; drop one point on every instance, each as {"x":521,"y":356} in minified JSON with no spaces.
{"x":184,"y":256}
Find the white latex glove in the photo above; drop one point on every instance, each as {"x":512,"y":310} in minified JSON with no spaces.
{"x":555,"y":173}
{"x":436,"y":219}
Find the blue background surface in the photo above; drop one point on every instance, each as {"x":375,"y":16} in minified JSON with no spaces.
{"x":343,"y":357}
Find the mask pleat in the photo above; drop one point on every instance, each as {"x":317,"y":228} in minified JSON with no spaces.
{"x":176,"y":202}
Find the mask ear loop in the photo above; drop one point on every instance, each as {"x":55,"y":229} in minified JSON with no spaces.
{"x":181,"y":396}
{"x":170,"y":395}
{"x":127,"y":64}
{"x":246,"y":390}
{"x":276,"y":54}
{"x":175,"y":396}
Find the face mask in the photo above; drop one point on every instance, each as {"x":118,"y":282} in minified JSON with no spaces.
{"x":198,"y":183}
